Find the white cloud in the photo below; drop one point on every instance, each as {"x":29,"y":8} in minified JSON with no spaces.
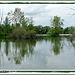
{"x":42,"y":13}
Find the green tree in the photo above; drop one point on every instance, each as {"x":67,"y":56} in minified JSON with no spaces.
{"x":16,"y":17}
{"x":57,"y":23}
{"x":66,"y":30}
{"x":31,"y":23}
{"x":6,"y":27}
{"x":38,"y":29}
{"x":24,"y":22}
{"x":69,"y":30}
{"x":6,"y":22}
{"x":45,"y":29}
{"x":1,"y":31}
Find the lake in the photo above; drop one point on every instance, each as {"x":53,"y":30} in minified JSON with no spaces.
{"x":37,"y":54}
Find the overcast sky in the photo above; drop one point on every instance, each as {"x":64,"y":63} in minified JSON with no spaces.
{"x":42,"y":13}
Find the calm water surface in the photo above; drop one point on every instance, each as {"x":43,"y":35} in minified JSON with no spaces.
{"x":38,"y":54}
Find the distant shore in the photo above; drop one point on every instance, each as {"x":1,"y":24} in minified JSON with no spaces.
{"x":59,"y":35}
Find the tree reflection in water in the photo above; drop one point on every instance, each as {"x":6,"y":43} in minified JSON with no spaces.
{"x":72,"y":40}
{"x":59,"y":42}
{"x":56,"y":44}
{"x":17,"y":50}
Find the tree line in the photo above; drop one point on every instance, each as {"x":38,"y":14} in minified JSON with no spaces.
{"x":17,"y":25}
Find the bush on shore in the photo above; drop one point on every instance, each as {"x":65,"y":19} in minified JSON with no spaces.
{"x":20,"y":33}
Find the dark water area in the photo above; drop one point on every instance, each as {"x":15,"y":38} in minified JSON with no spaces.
{"x":37,"y":54}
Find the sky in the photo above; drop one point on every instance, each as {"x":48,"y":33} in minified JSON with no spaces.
{"x":42,"y":13}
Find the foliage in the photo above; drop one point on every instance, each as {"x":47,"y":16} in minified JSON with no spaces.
{"x":53,"y":32}
{"x":57,"y":22}
{"x":16,"y":17}
{"x":69,"y":30}
{"x":30,"y":34}
{"x":16,"y":25}
{"x":41,"y":30}
{"x":22,"y":27}
{"x":22,"y":33}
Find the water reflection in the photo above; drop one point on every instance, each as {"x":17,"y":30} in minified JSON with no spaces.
{"x":56,"y":44}
{"x":17,"y":49}
{"x":37,"y":53}
{"x":72,"y":40}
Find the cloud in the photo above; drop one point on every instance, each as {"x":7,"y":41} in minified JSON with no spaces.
{"x":42,"y":13}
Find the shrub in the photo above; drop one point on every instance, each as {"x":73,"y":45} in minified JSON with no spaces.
{"x":21,"y":33}
{"x":30,"y":34}
{"x":53,"y":32}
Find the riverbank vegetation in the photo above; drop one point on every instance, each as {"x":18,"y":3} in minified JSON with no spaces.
{"x":17,"y":25}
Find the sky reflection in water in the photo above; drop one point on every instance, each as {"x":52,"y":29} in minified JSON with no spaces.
{"x":37,"y":54}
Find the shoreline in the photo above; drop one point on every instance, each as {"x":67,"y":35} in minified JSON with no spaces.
{"x":38,"y":35}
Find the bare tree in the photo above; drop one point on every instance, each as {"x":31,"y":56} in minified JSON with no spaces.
{"x":73,"y":9}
